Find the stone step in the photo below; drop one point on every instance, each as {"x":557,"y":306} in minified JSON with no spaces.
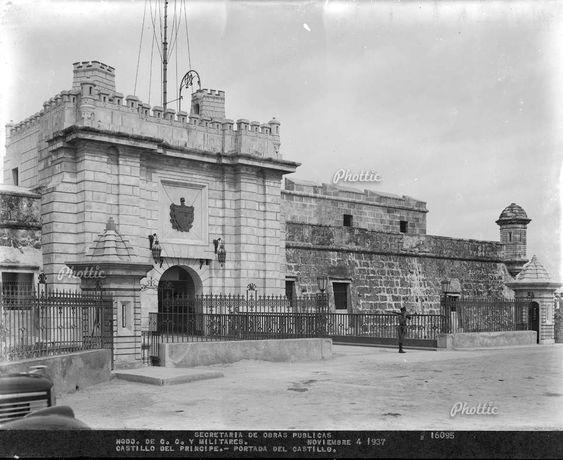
{"x":155,"y":375}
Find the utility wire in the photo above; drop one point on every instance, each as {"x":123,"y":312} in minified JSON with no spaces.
{"x":172,"y":28}
{"x":155,"y":38}
{"x":150,"y":71}
{"x":187,"y":33}
{"x":139,"y":55}
{"x":178,"y":104}
{"x":174,"y":40}
{"x":161,"y":54}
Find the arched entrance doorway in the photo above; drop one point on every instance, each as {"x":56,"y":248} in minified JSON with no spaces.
{"x":177,"y":303}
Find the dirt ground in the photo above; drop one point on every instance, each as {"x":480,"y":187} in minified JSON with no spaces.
{"x":361,"y":388}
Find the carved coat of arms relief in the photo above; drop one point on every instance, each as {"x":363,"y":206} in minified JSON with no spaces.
{"x":181,"y":216}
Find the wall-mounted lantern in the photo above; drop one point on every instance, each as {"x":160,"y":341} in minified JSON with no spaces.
{"x":322,"y":282}
{"x":220,"y":251}
{"x":41,"y":283}
{"x":445,"y":286}
{"x":156,"y":249}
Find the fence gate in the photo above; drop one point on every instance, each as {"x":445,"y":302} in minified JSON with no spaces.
{"x":106,"y":325}
{"x":534,"y":319}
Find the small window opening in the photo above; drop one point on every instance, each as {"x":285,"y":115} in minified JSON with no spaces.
{"x":348,"y":220}
{"x":290,"y":292}
{"x":403,"y":226}
{"x":89,"y":90}
{"x":340,"y":296}
{"x":123,"y":314}
{"x":196,"y":109}
{"x":509,"y":237}
{"x":15,"y":176}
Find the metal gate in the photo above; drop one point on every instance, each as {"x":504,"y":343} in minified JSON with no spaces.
{"x":207,"y":318}
{"x":534,"y":319}
{"x":381,"y":329}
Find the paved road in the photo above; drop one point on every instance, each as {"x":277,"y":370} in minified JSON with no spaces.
{"x":361,"y":388}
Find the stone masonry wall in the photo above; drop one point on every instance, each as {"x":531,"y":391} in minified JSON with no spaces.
{"x":20,"y":230}
{"x":327,"y":204}
{"x":387,"y":271}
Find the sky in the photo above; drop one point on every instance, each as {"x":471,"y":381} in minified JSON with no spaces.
{"x":458,"y":104}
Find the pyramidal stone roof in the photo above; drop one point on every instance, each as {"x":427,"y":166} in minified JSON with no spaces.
{"x":533,"y":271}
{"x":110,"y":246}
{"x":513,"y":212}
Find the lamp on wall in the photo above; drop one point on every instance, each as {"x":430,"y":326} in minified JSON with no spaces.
{"x":445,"y":286}
{"x":156,"y":249}
{"x":41,"y":282}
{"x":220,"y":251}
{"x":322,"y":282}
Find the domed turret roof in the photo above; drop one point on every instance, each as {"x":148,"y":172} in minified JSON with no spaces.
{"x":533,"y":271}
{"x":513,"y":213}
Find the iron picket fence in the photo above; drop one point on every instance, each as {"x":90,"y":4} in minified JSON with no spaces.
{"x":43,"y":323}
{"x":242,"y":317}
{"x":485,"y":315}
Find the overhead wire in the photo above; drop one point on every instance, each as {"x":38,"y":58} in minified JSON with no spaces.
{"x":156,"y":20}
{"x":161,"y":54}
{"x":187,"y":33}
{"x":175,"y":27}
{"x":176,"y":53}
{"x":150,"y":72}
{"x":140,"y":46}
{"x":153,"y":18}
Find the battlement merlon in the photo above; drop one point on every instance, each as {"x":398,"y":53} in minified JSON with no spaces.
{"x":102,"y":75}
{"x":208,"y":103}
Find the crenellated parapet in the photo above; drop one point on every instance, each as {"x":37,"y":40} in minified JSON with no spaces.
{"x":93,"y":102}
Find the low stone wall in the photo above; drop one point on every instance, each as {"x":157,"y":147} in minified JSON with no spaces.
{"x":69,"y":372}
{"x":193,"y":354}
{"x":486,"y":339}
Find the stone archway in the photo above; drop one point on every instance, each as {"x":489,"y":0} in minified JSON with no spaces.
{"x":178,"y":308}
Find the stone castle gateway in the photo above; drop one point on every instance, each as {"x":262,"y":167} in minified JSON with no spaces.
{"x":100,"y":173}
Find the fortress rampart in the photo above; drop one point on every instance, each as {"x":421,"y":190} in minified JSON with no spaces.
{"x":387,"y":271}
{"x":326,"y":204}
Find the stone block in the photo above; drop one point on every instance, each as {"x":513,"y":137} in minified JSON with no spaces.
{"x":208,"y":353}
{"x":466,"y":340}
{"x":71,"y":372}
